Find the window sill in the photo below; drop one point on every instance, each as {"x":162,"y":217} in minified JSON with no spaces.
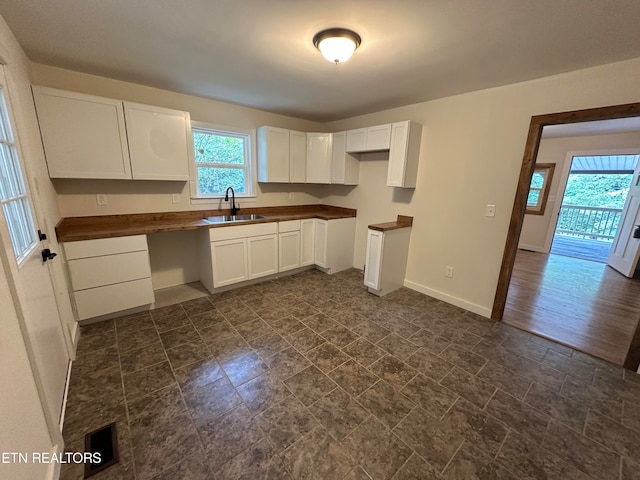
{"x":219,"y":200}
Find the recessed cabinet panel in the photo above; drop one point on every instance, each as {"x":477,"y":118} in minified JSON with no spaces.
{"x":373,"y":259}
{"x":307,"y":241}
{"x":298,"y":157}
{"x":289,"y":251}
{"x":320,"y":247}
{"x":345,"y":167}
{"x":229,"y":258}
{"x":378,"y":137}
{"x":357,"y":140}
{"x":404,"y":153}
{"x":158,"y":142}
{"x":98,"y":301}
{"x":318,"y":158}
{"x":262,"y":255}
{"x":83,"y":135}
{"x":273,"y":155}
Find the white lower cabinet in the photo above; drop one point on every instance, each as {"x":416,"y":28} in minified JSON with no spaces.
{"x":229,"y":260}
{"x":333,"y":248}
{"x":289,"y":245}
{"x":237,"y":253}
{"x":307,"y":241}
{"x":109,"y":275}
{"x":262,"y":255}
{"x":386,"y":260}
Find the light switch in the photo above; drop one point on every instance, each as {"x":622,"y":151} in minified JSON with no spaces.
{"x":490,"y":211}
{"x":175,"y":198}
{"x":101,"y":199}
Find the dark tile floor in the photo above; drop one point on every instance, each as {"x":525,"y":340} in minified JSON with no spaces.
{"x":311,"y":377}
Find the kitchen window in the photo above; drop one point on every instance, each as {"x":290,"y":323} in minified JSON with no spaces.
{"x":222,"y":158}
{"x":14,"y":197}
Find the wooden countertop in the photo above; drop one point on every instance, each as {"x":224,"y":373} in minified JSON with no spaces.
{"x":106,"y":226}
{"x":401,"y":222}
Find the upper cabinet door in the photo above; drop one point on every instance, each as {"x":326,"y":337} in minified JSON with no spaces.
{"x":357,"y":140}
{"x":318,"y":158}
{"x":273,"y":155}
{"x":83,"y":135}
{"x":404,"y":154}
{"x":298,"y":157}
{"x":158,"y":142}
{"x":378,"y":137}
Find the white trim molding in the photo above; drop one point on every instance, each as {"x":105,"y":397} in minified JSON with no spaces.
{"x":445,"y":297}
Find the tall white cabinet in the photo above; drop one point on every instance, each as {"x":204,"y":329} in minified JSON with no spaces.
{"x":404,"y":153}
{"x":85,"y":136}
{"x":386,"y":259}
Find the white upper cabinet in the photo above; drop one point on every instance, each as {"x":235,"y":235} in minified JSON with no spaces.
{"x":273,"y":154}
{"x":404,"y":153}
{"x":83,"y":136}
{"x":158,"y":142}
{"x":345,"y":168}
{"x":369,"y":139}
{"x":297,"y":157}
{"x":318,"y":158}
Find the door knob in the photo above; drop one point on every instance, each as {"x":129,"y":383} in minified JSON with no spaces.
{"x":48,"y":255}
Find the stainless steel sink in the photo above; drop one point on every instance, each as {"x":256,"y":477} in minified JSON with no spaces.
{"x":234,"y":218}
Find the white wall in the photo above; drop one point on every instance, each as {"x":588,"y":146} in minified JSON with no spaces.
{"x":554,"y":150}
{"x":471,"y":152}
{"x":78,"y":197}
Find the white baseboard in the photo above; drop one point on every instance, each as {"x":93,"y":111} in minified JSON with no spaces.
{"x":445,"y":297}
{"x":533,"y":248}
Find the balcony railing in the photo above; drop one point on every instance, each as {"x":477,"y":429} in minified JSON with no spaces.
{"x":596,"y":223}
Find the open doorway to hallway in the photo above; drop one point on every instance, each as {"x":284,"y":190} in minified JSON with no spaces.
{"x":595,"y":191}
{"x":561,"y":287}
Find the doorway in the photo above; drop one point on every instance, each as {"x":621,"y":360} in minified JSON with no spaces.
{"x":593,"y":199}
{"x":537,"y":124}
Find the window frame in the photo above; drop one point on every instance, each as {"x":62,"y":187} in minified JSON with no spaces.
{"x":248,"y":136}
{"x":540,"y":207}
{"x":20,"y":200}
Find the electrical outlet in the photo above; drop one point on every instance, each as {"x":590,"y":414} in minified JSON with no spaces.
{"x":490,"y":211}
{"x":101,"y":199}
{"x":175,"y":198}
{"x":448,"y":272}
{"x":291,"y":195}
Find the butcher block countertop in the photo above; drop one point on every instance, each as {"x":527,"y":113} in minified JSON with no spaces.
{"x":106,"y":226}
{"x":401,"y":222}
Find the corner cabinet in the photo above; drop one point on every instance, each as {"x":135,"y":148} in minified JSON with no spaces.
{"x":345,"y":168}
{"x":85,"y":136}
{"x":333,"y":244}
{"x":404,"y":153}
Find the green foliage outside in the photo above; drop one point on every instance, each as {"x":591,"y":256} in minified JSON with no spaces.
{"x":597,"y":190}
{"x":594,"y":190}
{"x":221,"y":149}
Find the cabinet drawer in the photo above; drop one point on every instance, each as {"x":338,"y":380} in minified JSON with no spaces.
{"x":242,"y":231}
{"x":94,"y":302}
{"x":289,"y":226}
{"x":105,"y":246}
{"x":106,"y":270}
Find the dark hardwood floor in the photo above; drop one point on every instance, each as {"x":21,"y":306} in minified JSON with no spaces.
{"x":580,"y":303}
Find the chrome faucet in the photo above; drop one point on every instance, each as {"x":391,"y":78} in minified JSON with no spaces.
{"x":234,"y":208}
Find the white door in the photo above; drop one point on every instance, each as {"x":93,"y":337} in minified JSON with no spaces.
{"x":36,"y":301}
{"x":307,"y":241}
{"x":625,"y":250}
{"x":318,"y":158}
{"x":229,"y":259}
{"x":320,"y":247}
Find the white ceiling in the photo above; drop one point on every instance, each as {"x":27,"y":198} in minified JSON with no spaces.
{"x":259,"y":52}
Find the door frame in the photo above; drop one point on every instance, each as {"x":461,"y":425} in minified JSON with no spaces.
{"x":538,"y":122}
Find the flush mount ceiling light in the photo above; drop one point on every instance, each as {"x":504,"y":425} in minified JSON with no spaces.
{"x":337,"y":44}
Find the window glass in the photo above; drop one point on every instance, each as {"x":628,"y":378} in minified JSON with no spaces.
{"x":222,"y":160}
{"x":13,"y":192}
